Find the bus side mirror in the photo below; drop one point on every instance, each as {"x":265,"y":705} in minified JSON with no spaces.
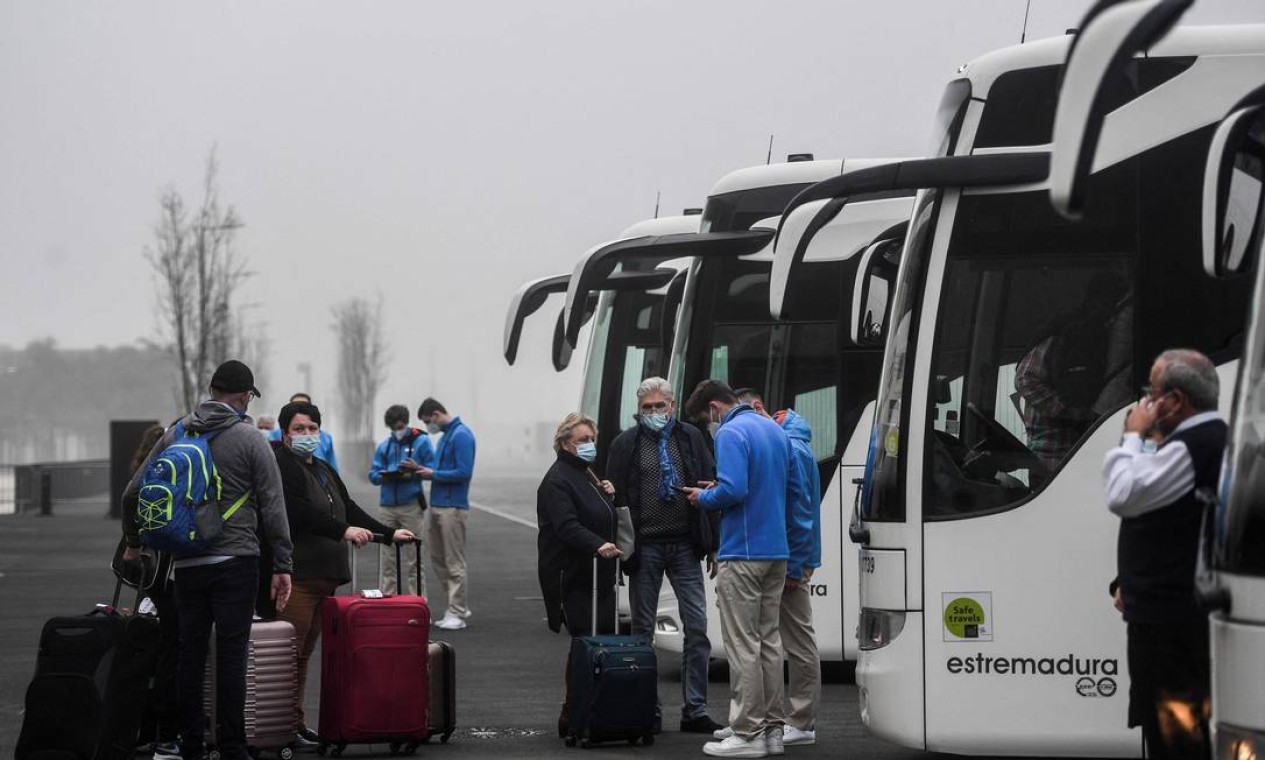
{"x":1233,"y":193}
{"x":872,"y":295}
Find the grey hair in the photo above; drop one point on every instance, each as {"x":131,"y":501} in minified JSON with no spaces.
{"x":656,"y":385}
{"x":568,"y":426}
{"x":1192,"y":373}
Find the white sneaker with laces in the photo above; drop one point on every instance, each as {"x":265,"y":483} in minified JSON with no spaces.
{"x":451,"y":622}
{"x":792,"y":736}
{"x":736,"y":746}
{"x":773,"y":740}
{"x":722,"y":734}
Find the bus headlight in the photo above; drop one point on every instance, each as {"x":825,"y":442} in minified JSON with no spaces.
{"x":880,"y":627}
{"x":1238,"y":744}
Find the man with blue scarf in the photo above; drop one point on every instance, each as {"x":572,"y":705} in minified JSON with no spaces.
{"x":648,"y":464}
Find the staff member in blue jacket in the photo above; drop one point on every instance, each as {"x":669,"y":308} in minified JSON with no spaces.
{"x":450,"y":505}
{"x":754,"y":483}
{"x":401,"y":499}
{"x":803,"y":536}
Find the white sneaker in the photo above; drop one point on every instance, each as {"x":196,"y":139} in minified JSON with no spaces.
{"x":736,"y":746}
{"x":722,"y":734}
{"x":792,"y":736}
{"x":773,"y":740}
{"x":451,"y":623}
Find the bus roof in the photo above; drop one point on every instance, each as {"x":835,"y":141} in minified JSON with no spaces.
{"x":792,"y":173}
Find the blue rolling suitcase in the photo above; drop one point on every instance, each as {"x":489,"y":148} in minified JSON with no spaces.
{"x":614,"y":685}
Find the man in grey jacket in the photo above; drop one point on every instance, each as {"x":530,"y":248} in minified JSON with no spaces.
{"x":218,"y":586}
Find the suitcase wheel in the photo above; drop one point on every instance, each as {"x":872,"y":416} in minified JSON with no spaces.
{"x":648,"y":740}
{"x":444,"y":739}
{"x":411,"y":748}
{"x":585,"y":743}
{"x":286,"y":753}
{"x":570,"y":740}
{"x":337,"y":751}
{"x":394,"y":747}
{"x":213,"y":755}
{"x":321,"y":748}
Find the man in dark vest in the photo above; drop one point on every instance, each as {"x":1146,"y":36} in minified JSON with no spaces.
{"x":1152,"y":489}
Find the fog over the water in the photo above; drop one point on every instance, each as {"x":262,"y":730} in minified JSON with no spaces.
{"x":435,"y":155}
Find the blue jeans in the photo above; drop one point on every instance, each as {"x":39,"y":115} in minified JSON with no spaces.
{"x":222,"y":594}
{"x":685,"y":572}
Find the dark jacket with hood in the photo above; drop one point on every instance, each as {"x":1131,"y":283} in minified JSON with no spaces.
{"x":575,"y":517}
{"x":625,"y":475}
{"x":245,"y":463}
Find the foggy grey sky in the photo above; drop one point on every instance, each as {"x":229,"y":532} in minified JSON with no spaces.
{"x":437,"y":154}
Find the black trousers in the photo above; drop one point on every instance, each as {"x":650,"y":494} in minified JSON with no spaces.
{"x":222,"y":594}
{"x":1170,"y":680}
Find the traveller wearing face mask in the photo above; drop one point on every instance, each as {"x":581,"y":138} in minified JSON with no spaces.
{"x":450,"y":505}
{"x":648,"y":464}
{"x":754,"y":484}
{"x":576,"y":516}
{"x":322,"y":515}
{"x":401,"y":500}
{"x":326,"y":448}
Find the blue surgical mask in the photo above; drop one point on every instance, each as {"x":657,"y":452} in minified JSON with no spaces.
{"x":586,"y":451}
{"x":655,"y":422}
{"x":305,"y":444}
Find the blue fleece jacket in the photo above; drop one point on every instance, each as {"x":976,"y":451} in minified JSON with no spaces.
{"x":325,"y":450}
{"x":803,"y":514}
{"x":454,"y":467}
{"x":753,"y":482}
{"x":385,"y":471}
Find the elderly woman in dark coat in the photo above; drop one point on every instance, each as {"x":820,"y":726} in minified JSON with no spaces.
{"x":576,"y":513}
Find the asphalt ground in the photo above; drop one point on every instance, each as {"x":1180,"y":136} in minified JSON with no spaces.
{"x":509,"y":665}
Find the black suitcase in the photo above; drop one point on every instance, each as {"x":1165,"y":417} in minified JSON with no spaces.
{"x":614,"y":685}
{"x":442,"y":705}
{"x":91,"y":687}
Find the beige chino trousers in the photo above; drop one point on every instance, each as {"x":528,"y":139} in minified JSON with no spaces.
{"x":749,"y":595}
{"x":448,"y":550}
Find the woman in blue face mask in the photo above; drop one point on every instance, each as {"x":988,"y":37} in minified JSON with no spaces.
{"x":323,"y":517}
{"x":575,"y":510}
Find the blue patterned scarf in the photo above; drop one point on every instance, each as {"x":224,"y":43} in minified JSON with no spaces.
{"x":669,"y":479}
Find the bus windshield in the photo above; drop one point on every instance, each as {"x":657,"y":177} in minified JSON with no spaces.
{"x":1014,"y":388}
{"x":793,"y":364}
{"x":1241,"y":525}
{"x":884,"y":498}
{"x":625,"y":349}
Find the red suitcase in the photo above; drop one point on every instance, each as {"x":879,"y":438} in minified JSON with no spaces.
{"x":374,"y":674}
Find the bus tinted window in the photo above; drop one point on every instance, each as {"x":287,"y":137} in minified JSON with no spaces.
{"x":742,"y":208}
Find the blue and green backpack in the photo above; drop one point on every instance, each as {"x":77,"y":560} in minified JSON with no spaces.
{"x":180,"y":495}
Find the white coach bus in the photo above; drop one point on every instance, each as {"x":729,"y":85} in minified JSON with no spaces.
{"x":1016,"y":340}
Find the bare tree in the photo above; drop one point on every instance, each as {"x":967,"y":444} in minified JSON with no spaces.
{"x":198,"y":275}
{"x":361,"y":363}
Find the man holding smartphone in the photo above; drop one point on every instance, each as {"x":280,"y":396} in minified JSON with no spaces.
{"x":402,"y":500}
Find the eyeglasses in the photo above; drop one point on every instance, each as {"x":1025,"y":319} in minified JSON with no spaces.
{"x":658,"y":406}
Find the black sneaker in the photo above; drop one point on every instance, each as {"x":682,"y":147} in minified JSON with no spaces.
{"x":306,"y":737}
{"x":700,"y":725}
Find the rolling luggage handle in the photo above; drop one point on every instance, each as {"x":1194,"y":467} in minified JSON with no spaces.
{"x":382,"y":538}
{"x":593,"y":630}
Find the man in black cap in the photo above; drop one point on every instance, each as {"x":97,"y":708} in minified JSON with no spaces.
{"x":218,"y":586}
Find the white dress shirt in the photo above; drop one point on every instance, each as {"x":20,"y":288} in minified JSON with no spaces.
{"x":1138,"y":482}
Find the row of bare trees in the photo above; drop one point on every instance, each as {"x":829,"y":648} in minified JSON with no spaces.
{"x":199,"y":275}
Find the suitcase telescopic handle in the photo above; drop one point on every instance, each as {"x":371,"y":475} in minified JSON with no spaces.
{"x":593,"y":630}
{"x":383,"y":538}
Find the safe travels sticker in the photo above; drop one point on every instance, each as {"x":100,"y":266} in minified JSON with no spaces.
{"x":968,"y":616}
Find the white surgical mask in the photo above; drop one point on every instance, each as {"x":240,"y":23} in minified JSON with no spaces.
{"x":305,"y":444}
{"x":586,"y":451}
{"x":400,"y":434}
{"x":655,"y":422}
{"x":433,"y":428}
